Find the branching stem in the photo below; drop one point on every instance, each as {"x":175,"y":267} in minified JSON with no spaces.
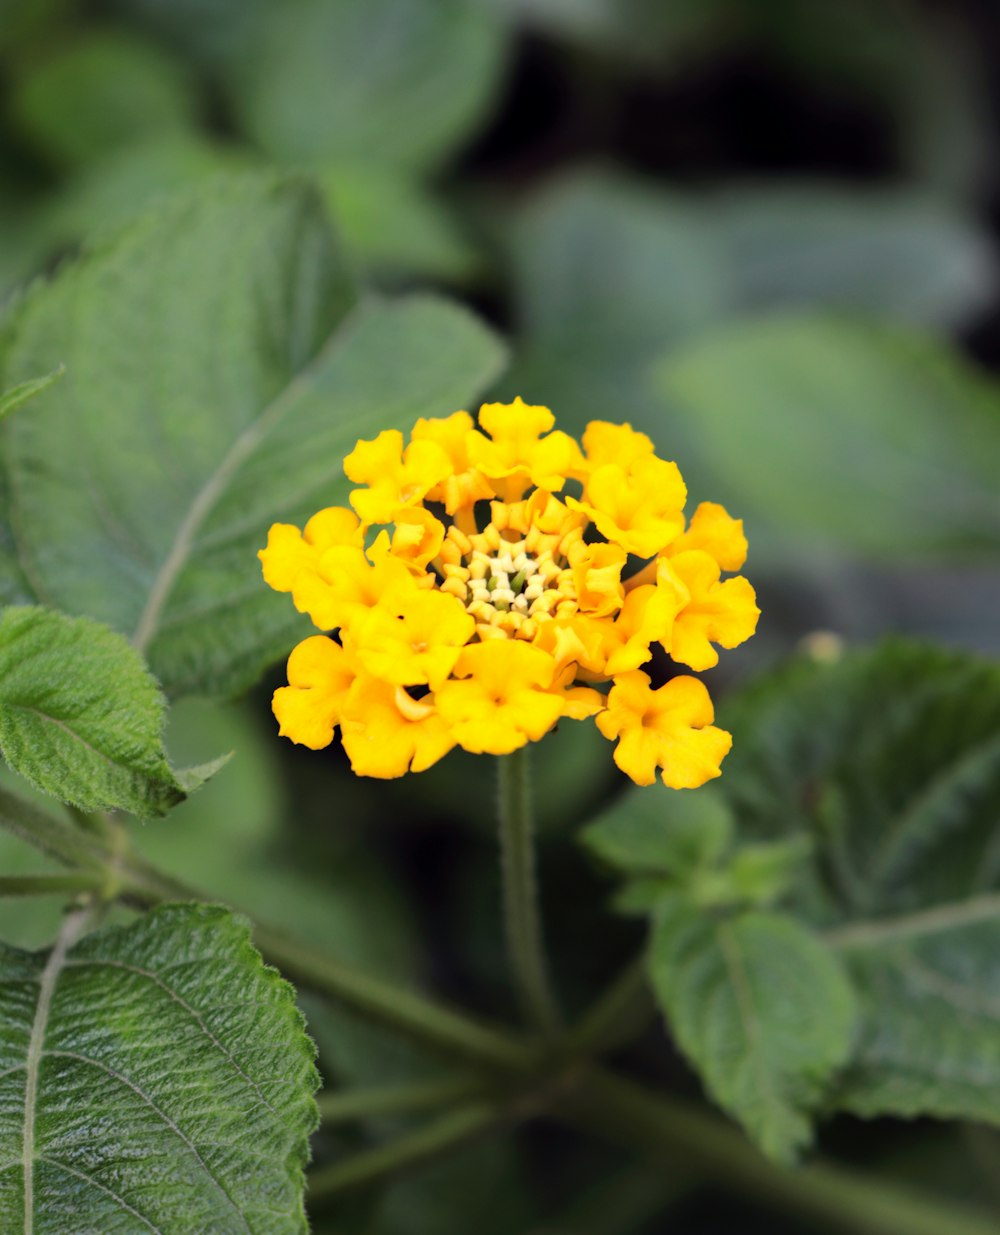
{"x":592,"y":1098}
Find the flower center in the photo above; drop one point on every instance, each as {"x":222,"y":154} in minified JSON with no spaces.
{"x":509,"y":577}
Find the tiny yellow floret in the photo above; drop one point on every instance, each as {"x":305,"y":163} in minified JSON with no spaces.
{"x":487,"y":582}
{"x":668,"y":729}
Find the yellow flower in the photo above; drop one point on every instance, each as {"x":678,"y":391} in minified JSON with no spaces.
{"x":386,"y":733}
{"x":418,"y":536}
{"x":487,"y":608}
{"x":717,"y":533}
{"x":620,"y":445}
{"x":465,"y":485}
{"x":640,"y":507}
{"x":412,"y":639}
{"x":670,"y":728}
{"x":647,"y":617}
{"x":597,"y":575}
{"x":289,"y":551}
{"x":308,"y":709}
{"x":394,"y":476}
{"x":500,"y":699}
{"x":348,"y":579}
{"x":716,"y":612}
{"x":516,"y":454}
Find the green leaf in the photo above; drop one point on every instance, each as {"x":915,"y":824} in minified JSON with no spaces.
{"x":659,"y":831}
{"x":153,"y":1077}
{"x":929,"y":986}
{"x":761,"y":1008}
{"x":901,"y":253}
{"x":218,"y":347}
{"x":111,"y":191}
{"x":26,"y":391}
{"x":612,"y":273}
{"x":396,"y":226}
{"x":392,"y":82}
{"x":784,"y":411}
{"x":99,"y":92}
{"x":890,"y":761}
{"x":80,"y":716}
{"x":607,"y":273}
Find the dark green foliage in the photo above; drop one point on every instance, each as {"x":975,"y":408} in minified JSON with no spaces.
{"x":153,"y":1077}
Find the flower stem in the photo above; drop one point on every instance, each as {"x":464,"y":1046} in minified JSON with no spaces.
{"x":46,"y":885}
{"x":385,"y":1002}
{"x":520,"y":892}
{"x":832,"y":1198}
{"x":426,"y":1141}
{"x":342,"y":1107}
{"x":618,"y":1016}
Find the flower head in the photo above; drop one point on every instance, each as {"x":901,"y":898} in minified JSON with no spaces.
{"x":484,"y":586}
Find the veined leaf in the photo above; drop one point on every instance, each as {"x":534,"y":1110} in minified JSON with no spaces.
{"x":930,"y":988}
{"x":154,"y":1077}
{"x":220,"y":347}
{"x":762,"y":1009}
{"x":890,"y":759}
{"x":80,"y":716}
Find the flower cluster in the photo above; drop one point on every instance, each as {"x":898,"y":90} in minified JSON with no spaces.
{"x":490,"y":581}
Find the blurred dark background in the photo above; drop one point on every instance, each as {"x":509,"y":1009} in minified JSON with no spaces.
{"x":764,"y":231}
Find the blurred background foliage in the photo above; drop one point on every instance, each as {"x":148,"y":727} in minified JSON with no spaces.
{"x":761,"y":230}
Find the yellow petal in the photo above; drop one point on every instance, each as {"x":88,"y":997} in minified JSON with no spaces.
{"x":716,"y":532}
{"x":610,"y":443}
{"x":724,"y":612}
{"x":502,"y":700}
{"x":308,"y":709}
{"x":381,"y":741}
{"x":670,"y":728}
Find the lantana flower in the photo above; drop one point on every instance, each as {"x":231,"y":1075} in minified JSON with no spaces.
{"x":488,"y":582}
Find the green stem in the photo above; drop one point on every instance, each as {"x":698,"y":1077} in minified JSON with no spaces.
{"x":394,"y":1099}
{"x":833,"y":1198}
{"x":430,"y":1022}
{"x":59,"y":839}
{"x":520,"y":892}
{"x":45,"y":885}
{"x":618,"y":1015}
{"x":425,"y":1142}
{"x":608,"y":1105}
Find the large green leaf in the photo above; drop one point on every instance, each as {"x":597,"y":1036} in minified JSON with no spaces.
{"x":390,"y":82}
{"x":152,"y":1078}
{"x":80,"y":716}
{"x":891,"y":761}
{"x":607,"y":273}
{"x":762,"y":1009}
{"x":659,"y":831}
{"x":395,"y":225}
{"x":98,"y":92}
{"x":790,"y":413}
{"x":611,"y":273}
{"x":900,"y":252}
{"x":218,"y":369}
